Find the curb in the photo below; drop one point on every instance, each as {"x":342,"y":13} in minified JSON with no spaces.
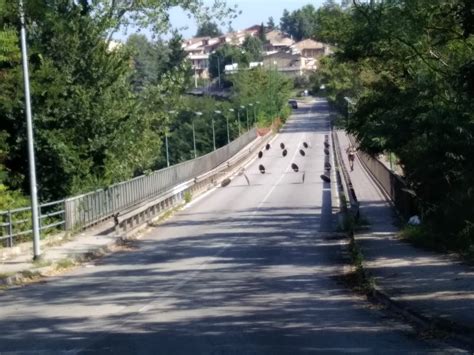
{"x":41,"y":272}
{"x":462,"y":335}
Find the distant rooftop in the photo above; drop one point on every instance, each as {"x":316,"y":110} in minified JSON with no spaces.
{"x":308,"y":44}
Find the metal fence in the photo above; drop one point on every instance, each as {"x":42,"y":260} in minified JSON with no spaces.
{"x":15,"y":225}
{"x":84,"y":210}
{"x":344,"y":180}
{"x":393,"y":185}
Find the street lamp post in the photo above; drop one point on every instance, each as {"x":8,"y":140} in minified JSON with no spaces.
{"x":247,"y":112}
{"x":172,"y":112}
{"x":228,"y":132}
{"x":217,"y":112}
{"x":194,"y":134}
{"x":238,"y":119}
{"x":29,"y":129}
{"x":231,"y":110}
{"x":251,"y":105}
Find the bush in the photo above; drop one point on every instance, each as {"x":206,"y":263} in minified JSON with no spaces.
{"x":187,"y":196}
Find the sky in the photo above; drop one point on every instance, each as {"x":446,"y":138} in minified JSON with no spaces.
{"x":254,"y":12}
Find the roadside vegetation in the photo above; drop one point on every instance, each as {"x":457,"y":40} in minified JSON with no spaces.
{"x":101,"y":109}
{"x":408,"y":68}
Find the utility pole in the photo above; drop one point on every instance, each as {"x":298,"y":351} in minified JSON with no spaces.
{"x":31,"y":150}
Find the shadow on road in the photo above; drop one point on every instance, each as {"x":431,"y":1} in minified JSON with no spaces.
{"x":230,"y":291}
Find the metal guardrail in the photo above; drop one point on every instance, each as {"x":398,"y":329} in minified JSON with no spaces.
{"x":392,"y":184}
{"x":16,"y":223}
{"x":352,"y":204}
{"x":90,"y":208}
{"x":140,"y":215}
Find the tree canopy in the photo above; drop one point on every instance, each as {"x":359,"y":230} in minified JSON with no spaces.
{"x":98,"y":110}
{"x":208,"y":29}
{"x":408,"y":65}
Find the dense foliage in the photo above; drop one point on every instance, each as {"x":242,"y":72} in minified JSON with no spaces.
{"x":101,"y":111}
{"x":98,"y":110}
{"x":326,"y":24}
{"x":408,"y":65}
{"x":208,"y":29}
{"x":267,"y":89}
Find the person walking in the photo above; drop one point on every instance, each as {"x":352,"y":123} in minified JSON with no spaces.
{"x":351,"y":152}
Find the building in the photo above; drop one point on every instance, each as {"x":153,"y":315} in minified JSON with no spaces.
{"x":277,"y":41}
{"x":310,"y":49}
{"x":285,"y":62}
{"x":281,"y":51}
{"x":198,"y":50}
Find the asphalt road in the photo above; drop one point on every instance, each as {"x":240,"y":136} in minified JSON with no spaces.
{"x":243,"y":270}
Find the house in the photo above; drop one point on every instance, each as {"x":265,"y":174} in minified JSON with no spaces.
{"x":198,"y":50}
{"x":310,"y":49}
{"x":291,"y":64}
{"x":253,"y":31}
{"x":285,"y":62}
{"x":277,"y":41}
{"x":235,"y":38}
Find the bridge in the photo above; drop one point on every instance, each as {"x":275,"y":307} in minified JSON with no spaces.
{"x":256,"y":265}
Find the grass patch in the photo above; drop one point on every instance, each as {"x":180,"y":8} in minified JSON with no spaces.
{"x":188,"y":196}
{"x":59,"y":241}
{"x":361,"y":282}
{"x":351,"y":223}
{"x":39,"y":263}
{"x":421,"y":237}
{"x":165,"y":216}
{"x":30,"y":275}
{"x":64,"y":264}
{"x":4,"y":275}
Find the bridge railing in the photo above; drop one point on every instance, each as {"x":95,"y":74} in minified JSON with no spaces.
{"x":84,"y":210}
{"x":392,"y":184}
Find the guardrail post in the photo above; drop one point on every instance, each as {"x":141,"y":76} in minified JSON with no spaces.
{"x":10,"y":230}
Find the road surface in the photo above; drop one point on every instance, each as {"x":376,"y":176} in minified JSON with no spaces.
{"x":243,"y":270}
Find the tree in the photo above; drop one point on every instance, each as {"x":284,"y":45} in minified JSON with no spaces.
{"x":177,"y":55}
{"x":269,"y":87}
{"x":300,"y":23}
{"x":153,"y":14}
{"x":149,"y":60}
{"x":92,"y":126}
{"x":412,"y":77}
{"x":225,"y":55}
{"x":262,"y":33}
{"x":331,"y":23}
{"x":271,"y":23}
{"x":208,"y":29}
{"x":253,"y":48}
{"x":286,"y":22}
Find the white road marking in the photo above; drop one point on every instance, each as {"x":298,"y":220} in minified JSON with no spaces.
{"x":200,"y":267}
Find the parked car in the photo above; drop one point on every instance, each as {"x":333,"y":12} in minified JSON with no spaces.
{"x":293,"y":104}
